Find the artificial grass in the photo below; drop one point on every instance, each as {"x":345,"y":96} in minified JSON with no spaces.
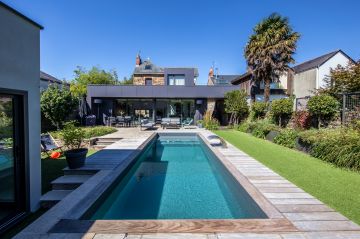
{"x":338,"y":188}
{"x":50,"y":170}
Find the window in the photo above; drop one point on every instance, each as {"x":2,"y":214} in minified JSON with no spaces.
{"x":176,"y":79}
{"x":147,"y":67}
{"x":148,"y":81}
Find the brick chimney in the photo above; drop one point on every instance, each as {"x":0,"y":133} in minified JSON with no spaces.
{"x":138,"y":60}
{"x":210,"y":76}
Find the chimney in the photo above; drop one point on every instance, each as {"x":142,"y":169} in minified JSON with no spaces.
{"x":138,"y":60}
{"x":210,"y":77}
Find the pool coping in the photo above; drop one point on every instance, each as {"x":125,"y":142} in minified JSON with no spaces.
{"x":287,"y":215}
{"x":274,"y":223}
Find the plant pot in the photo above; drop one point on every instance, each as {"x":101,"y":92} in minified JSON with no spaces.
{"x":271,"y":135}
{"x":75,"y":158}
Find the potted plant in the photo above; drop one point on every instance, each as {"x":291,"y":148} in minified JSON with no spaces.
{"x":200,"y":123}
{"x":73,"y":138}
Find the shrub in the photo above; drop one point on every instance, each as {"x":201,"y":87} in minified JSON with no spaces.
{"x":56,"y":104}
{"x":259,"y":109}
{"x":287,"y":138}
{"x":302,"y":120}
{"x":236,"y":105}
{"x":338,"y":146}
{"x":281,"y":110}
{"x":324,"y":107}
{"x":261,"y":128}
{"x":210,"y":123}
{"x":98,"y":131}
{"x":72,"y":136}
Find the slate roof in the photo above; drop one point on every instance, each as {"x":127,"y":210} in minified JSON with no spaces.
{"x":224,"y":79}
{"x":46,"y":77}
{"x":244,"y":77}
{"x":2,"y":4}
{"x":147,"y":67}
{"x":314,"y":63}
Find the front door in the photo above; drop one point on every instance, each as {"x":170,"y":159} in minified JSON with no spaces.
{"x":12,"y":166}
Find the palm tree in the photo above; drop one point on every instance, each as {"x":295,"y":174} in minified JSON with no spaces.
{"x":270,"y":50}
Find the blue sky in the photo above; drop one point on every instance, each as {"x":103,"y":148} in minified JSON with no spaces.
{"x":191,"y":33}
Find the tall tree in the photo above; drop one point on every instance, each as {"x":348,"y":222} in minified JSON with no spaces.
{"x":236,"y":105}
{"x":95,"y":75}
{"x":270,"y":50}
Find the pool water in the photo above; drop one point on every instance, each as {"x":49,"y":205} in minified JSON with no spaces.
{"x":177,"y":177}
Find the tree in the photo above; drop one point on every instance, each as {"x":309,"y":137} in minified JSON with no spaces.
{"x":236,"y":105}
{"x":259,"y":109}
{"x":95,"y":75}
{"x":282,"y":109}
{"x":56,"y":104}
{"x":270,"y":50}
{"x":343,"y":79}
{"x":127,"y":81}
{"x":323,"y":106}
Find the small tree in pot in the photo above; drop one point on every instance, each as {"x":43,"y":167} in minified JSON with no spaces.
{"x":73,"y":138}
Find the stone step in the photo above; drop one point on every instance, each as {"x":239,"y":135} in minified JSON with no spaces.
{"x":50,"y":198}
{"x":69,"y":182}
{"x":104,"y":143}
{"x":81,"y":171}
{"x":108,"y":139}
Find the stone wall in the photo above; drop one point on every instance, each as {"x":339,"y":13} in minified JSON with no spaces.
{"x":156,"y":80}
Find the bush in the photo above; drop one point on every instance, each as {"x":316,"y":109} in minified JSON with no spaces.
{"x":302,"y":120}
{"x":287,"y":138}
{"x":261,"y":128}
{"x":259,"y":109}
{"x":324,"y":107}
{"x":236,"y":105}
{"x":338,"y":146}
{"x":90,"y":132}
{"x":281,"y":110}
{"x":210,"y":123}
{"x":98,"y":131}
{"x":56,"y":104}
{"x":72,"y":136}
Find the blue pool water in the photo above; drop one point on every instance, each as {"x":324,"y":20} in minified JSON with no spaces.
{"x":177,"y":177}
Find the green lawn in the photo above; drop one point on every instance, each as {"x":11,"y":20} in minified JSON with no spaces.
{"x":338,"y":188}
{"x":51,"y":169}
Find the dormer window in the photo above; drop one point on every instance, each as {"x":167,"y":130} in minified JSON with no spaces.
{"x":147,"y":67}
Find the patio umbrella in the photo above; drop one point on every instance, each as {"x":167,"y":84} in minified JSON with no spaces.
{"x":84,"y":108}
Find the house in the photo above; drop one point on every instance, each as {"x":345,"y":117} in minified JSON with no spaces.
{"x":313,"y":74}
{"x":279,"y":89}
{"x":20,"y":164}
{"x":47,"y":80}
{"x":159,"y":92}
{"x":301,"y":80}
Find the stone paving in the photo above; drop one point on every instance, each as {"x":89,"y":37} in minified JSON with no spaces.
{"x":310,"y":216}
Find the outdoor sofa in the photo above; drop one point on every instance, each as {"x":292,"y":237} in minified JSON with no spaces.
{"x":145,"y":123}
{"x":170,"y":123}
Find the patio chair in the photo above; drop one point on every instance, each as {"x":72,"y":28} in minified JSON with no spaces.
{"x":48,"y":144}
{"x":120,"y":121}
{"x":165,"y":122}
{"x":174,"y":123}
{"x":145,"y":123}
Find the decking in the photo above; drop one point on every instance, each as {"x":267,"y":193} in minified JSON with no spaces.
{"x":296,"y":214}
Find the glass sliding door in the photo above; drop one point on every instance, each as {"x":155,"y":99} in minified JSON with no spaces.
{"x":12,"y":172}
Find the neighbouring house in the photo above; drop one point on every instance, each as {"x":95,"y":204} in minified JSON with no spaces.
{"x":313,"y":74}
{"x":159,"y":92}
{"x":20,"y":166}
{"x":278,"y":89}
{"x":301,"y":80}
{"x":47,"y":80}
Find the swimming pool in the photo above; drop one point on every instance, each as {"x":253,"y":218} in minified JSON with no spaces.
{"x":176,"y":177}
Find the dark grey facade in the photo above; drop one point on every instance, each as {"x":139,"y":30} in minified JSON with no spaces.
{"x":189,"y":73}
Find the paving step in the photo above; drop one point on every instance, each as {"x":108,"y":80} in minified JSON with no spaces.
{"x":105,"y":143}
{"x":69,"y":182}
{"x":98,"y":147}
{"x":108,"y":139}
{"x":80,"y":171}
{"x":50,"y":198}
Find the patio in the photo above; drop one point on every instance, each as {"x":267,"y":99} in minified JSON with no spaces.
{"x":299,"y":215}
